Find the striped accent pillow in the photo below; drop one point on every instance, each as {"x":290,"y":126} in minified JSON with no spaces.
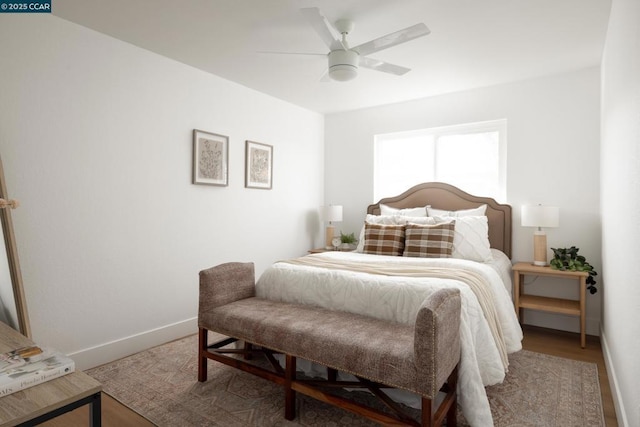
{"x":382,"y":239}
{"x":429,"y":241}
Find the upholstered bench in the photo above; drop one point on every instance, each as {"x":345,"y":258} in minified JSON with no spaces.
{"x":421,"y":358}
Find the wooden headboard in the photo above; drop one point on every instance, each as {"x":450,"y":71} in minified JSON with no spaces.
{"x":444,"y":196}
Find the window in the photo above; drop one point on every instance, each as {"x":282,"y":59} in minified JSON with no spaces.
{"x":470,"y":156}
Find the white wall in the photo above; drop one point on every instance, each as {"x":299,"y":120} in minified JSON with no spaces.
{"x":96,"y":140}
{"x":620,"y":205}
{"x":552,"y":158}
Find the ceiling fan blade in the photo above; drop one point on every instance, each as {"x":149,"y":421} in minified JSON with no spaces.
{"x":272,"y":52}
{"x":325,"y":77}
{"x":392,"y":39}
{"x":325,"y":30}
{"x":385,"y":67}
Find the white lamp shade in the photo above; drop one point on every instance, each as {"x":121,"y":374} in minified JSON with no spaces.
{"x":331,"y":213}
{"x":540,"y":216}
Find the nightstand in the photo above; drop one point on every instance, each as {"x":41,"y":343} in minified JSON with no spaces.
{"x":319,"y":250}
{"x":553,"y":305}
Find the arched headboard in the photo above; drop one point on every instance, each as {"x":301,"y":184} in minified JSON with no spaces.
{"x":445,"y":196}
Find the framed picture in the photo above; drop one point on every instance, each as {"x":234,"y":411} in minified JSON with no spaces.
{"x":210,"y":158}
{"x":258,"y":165}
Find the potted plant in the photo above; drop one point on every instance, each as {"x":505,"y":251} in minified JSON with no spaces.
{"x":568,"y":259}
{"x":348,"y":240}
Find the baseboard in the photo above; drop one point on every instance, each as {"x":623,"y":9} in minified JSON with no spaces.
{"x":114,"y":350}
{"x":621,"y":415}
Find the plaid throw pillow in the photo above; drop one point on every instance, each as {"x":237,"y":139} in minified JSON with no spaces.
{"x":429,"y":241}
{"x":383,"y":239}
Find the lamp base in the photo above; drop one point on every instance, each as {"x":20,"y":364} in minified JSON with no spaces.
{"x":540,"y":248}
{"x":329,"y":237}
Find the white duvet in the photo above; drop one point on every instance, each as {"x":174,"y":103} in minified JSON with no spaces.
{"x":399,"y":298}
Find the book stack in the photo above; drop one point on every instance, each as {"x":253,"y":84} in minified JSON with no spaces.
{"x":28,"y":366}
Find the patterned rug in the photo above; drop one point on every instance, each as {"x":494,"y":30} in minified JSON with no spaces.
{"x":160,"y":384}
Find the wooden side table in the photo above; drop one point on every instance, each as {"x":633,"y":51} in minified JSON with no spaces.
{"x":553,"y":305}
{"x":49,"y":399}
{"x":319,"y":250}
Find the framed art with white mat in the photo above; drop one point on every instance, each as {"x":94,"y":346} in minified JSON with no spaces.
{"x":258,"y":165}
{"x":210,"y":158}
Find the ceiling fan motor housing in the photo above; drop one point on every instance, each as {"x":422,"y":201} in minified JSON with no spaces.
{"x":343,"y":65}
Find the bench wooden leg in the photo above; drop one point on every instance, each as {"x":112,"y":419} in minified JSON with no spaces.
{"x":202,"y":358}
{"x":248,"y":347}
{"x":427,"y":412}
{"x":332,"y":375}
{"x":431,"y":418}
{"x":452,"y":382}
{"x":289,"y":393}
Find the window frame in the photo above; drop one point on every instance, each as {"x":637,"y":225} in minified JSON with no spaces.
{"x":498,"y":125}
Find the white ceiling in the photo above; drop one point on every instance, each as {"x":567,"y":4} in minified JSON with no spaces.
{"x":473,"y":43}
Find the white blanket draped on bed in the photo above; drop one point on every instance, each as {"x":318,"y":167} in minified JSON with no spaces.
{"x":398,"y":298}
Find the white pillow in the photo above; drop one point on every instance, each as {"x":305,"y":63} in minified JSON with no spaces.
{"x":471,"y":238}
{"x":426,"y":220}
{"x":479,"y":211}
{"x":388,"y":210}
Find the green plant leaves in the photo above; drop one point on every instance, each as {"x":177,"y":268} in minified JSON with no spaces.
{"x":347,"y":238}
{"x":568,"y":259}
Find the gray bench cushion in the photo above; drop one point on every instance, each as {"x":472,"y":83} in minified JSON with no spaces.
{"x":379,"y":350}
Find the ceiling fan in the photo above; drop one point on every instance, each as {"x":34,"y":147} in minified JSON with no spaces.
{"x":344,"y":60}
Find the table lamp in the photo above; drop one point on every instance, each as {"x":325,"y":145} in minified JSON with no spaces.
{"x":540,"y":216}
{"x":329,"y":214}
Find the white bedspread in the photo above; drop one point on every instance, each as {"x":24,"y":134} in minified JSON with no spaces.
{"x":399,"y":298}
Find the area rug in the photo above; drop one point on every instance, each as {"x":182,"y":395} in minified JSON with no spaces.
{"x":160,"y":384}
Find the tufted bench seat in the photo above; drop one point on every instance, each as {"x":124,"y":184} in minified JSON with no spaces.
{"x":420,"y":357}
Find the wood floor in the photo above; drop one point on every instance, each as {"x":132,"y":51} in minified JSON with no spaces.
{"x":557,"y":343}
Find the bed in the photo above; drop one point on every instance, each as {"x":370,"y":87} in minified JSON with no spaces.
{"x":456,"y":240}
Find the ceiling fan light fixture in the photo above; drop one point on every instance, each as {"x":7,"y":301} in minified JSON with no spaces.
{"x":343,"y":73}
{"x":344,"y":61}
{"x":343,"y":65}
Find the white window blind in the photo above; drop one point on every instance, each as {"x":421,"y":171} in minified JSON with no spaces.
{"x":470,"y":156}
